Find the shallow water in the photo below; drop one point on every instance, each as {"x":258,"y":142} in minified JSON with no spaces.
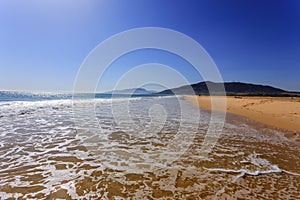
{"x":142,"y":148}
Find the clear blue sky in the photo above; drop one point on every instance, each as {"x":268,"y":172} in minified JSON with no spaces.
{"x":43,"y":43}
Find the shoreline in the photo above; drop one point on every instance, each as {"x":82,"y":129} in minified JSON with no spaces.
{"x":278,"y":112}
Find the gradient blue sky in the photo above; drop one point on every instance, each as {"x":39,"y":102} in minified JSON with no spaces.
{"x":43,"y":43}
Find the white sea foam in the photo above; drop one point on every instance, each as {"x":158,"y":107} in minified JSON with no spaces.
{"x":262,"y":166}
{"x":34,"y":134}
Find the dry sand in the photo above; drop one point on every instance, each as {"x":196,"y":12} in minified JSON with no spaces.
{"x":280,"y":112}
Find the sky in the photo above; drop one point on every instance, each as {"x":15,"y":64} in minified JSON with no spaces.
{"x":44,"y":43}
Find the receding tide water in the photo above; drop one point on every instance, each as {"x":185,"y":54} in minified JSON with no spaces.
{"x":44,"y":155}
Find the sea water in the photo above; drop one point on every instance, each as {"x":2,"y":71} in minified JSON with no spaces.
{"x":141,"y":147}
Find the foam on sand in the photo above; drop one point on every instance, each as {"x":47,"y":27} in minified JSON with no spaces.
{"x":44,"y":155}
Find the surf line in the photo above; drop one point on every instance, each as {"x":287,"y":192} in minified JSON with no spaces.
{"x":291,"y":173}
{"x":242,"y":172}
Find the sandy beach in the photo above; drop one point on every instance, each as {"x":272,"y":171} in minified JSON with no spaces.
{"x":279,"y":112}
{"x":44,"y":155}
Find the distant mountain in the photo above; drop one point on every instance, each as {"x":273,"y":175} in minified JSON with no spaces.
{"x":132,"y":91}
{"x":231,"y":88}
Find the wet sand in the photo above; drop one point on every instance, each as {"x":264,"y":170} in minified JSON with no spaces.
{"x":43,"y":155}
{"x":279,"y":112}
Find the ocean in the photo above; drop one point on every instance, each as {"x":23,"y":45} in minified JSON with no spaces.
{"x":138,"y":147}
